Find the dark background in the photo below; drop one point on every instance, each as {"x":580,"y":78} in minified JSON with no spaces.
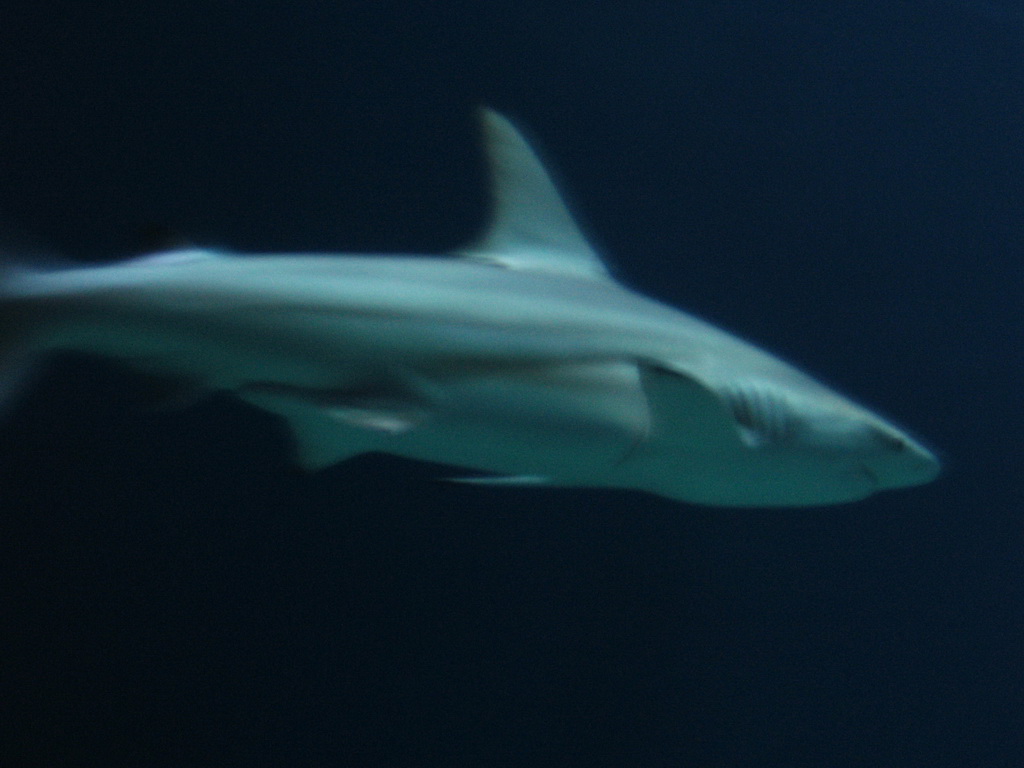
{"x":841,"y":182}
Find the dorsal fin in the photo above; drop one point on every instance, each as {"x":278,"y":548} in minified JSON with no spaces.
{"x":531,"y":227}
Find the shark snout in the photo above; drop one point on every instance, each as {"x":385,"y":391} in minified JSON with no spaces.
{"x":903,"y":462}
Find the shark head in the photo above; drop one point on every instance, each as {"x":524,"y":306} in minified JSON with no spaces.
{"x":853,"y":452}
{"x":856,"y":441}
{"x":753,"y":443}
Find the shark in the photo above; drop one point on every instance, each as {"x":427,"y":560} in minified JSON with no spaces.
{"x":518,"y":359}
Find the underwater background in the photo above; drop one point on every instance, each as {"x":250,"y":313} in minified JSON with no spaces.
{"x":841,"y":182}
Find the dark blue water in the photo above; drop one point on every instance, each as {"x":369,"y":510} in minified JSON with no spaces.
{"x":841,"y":182}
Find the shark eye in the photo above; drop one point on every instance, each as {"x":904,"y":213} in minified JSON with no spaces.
{"x":761,"y":414}
{"x":890,"y":441}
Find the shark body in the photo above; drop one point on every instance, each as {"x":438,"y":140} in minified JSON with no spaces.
{"x":520,"y":358}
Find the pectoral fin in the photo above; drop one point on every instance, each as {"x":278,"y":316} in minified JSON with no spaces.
{"x":332,"y":425}
{"x":389,"y":418}
{"x":379,"y":406}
